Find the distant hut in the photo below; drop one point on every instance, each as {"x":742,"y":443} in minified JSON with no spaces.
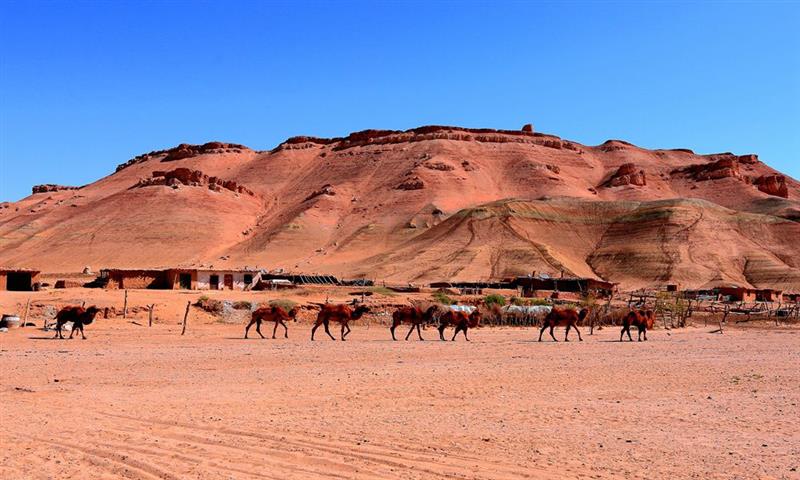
{"x":18,"y":279}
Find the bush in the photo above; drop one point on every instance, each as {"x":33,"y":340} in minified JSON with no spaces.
{"x":209,"y":305}
{"x":442,"y":298}
{"x":539,"y":301}
{"x":589,"y":300}
{"x":494,"y":299}
{"x":242,"y":305}
{"x":284,"y":303}
{"x":517,"y":301}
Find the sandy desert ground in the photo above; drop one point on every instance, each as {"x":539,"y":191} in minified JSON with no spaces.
{"x":144,"y":403}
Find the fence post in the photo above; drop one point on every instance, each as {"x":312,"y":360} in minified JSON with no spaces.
{"x":125,"y":306}
{"x":150,"y":316}
{"x":25,"y":315}
{"x":186,"y":316}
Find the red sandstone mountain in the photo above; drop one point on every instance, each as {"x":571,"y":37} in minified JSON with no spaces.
{"x":430,"y":203}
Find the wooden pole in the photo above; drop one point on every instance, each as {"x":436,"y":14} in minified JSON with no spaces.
{"x":25,"y":315}
{"x":150,"y":316}
{"x":125,"y":306}
{"x":186,"y":316}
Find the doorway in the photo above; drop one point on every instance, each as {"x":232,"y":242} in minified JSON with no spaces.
{"x":214,"y":282}
{"x":185,"y":281}
{"x":228,"y":281}
{"x":19,"y":281}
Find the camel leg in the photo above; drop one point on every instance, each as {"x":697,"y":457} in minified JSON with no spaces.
{"x":258,"y":328}
{"x":348,"y":330}
{"x":566,"y":334}
{"x":621,"y":333}
{"x":58,"y":331}
{"x":639,"y":338}
{"x":72,"y":331}
{"x":409,"y":331}
{"x":644,"y":330}
{"x":285,"y":329}
{"x":82,"y":335}
{"x":628,"y":330}
{"x":544,"y":327}
{"x":552,"y":327}
{"x":275,"y":329}
{"x":458,"y":329}
{"x":391,"y":329}
{"x":419,"y":333}
{"x":579,"y":333}
{"x":441,"y":332}
{"x":327,"y":329}
{"x":314,"y":329}
{"x":247,"y":328}
{"x":465,"y":333}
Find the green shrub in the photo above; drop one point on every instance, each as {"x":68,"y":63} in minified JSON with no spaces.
{"x":284,"y":303}
{"x":517,"y":301}
{"x":494,"y":299}
{"x":538,"y":301}
{"x":442,"y":298}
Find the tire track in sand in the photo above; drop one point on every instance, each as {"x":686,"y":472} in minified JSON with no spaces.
{"x":395,"y":456}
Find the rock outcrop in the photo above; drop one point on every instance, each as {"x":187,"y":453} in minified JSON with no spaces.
{"x":431,"y":132}
{"x":772,"y":185}
{"x":326,"y":189}
{"x":627,"y":174}
{"x":726,"y":167}
{"x":49,"y":187}
{"x":184,"y":150}
{"x":193,"y":178}
{"x":413,"y":183}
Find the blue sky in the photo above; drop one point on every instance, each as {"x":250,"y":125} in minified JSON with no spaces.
{"x":87,"y":85}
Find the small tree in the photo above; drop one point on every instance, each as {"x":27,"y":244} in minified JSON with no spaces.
{"x":494,"y":299}
{"x":442,"y":298}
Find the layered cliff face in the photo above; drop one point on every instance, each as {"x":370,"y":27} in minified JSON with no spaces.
{"x":430,"y":203}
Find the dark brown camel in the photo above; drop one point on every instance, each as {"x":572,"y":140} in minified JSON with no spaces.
{"x":563,"y":318}
{"x":79,"y":317}
{"x":641,"y":319}
{"x":413,"y":315}
{"x":342,"y":314}
{"x":272,"y":314}
{"x":460,"y":320}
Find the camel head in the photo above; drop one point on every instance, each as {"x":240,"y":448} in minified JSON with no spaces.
{"x":91,"y":312}
{"x":428,"y":315}
{"x":360,"y":311}
{"x":583,"y":314}
{"x":475,"y":318}
{"x":293,"y":312}
{"x":650,"y":319}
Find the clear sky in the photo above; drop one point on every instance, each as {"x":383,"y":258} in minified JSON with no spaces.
{"x":85,"y":86}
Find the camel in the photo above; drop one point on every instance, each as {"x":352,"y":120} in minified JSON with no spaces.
{"x":271,"y":314}
{"x":413,"y":315}
{"x":342,"y":314}
{"x":641,"y":319}
{"x":79,"y":317}
{"x":559,"y":318}
{"x":460,"y":320}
